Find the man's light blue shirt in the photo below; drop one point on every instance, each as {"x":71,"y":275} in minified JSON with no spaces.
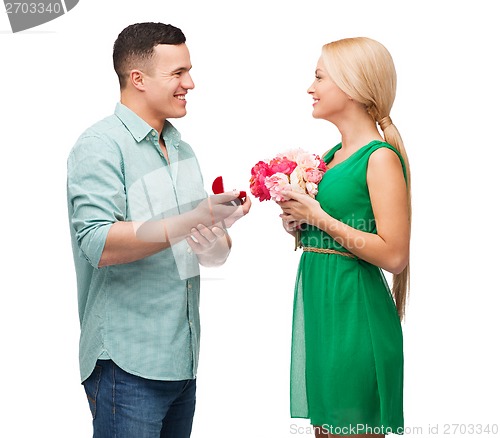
{"x":143,"y":315}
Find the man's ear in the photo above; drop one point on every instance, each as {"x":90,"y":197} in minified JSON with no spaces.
{"x":137,"y":79}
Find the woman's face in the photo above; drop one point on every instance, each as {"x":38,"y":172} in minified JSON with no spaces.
{"x":328,"y":99}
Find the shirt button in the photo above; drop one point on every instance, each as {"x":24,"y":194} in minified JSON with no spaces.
{"x":189,"y":250}
{"x":153,"y":134}
{"x":190,"y":286}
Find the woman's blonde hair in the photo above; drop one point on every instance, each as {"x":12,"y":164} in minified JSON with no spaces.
{"x":363,"y":69}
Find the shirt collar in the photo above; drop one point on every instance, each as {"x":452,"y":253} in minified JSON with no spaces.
{"x":171,"y":135}
{"x":140,"y":129}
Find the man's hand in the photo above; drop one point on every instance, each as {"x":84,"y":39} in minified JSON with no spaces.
{"x":211,"y":245}
{"x":210,"y":240}
{"x":203,"y":239}
{"x":219,"y":209}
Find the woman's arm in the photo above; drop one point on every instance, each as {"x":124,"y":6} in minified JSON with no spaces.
{"x":389,"y":248}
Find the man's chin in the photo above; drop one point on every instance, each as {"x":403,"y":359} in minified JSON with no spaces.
{"x":177,"y":115}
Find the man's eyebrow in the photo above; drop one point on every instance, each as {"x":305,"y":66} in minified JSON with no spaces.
{"x":181,"y":69}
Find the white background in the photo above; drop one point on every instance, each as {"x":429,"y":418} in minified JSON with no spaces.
{"x":253,"y":62}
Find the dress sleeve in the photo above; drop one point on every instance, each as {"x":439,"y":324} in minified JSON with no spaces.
{"x":96,"y":194}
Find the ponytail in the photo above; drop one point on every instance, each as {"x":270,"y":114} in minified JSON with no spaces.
{"x":401,"y":281}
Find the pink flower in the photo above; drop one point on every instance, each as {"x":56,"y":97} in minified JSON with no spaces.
{"x":276,"y":184}
{"x":306,"y":160}
{"x":282,"y":165}
{"x":257,"y":181}
{"x":321,"y":165}
{"x":261,"y":168}
{"x":314,"y":175}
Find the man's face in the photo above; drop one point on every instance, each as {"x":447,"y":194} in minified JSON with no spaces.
{"x":167,"y":81}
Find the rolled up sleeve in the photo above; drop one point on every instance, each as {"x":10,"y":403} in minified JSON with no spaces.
{"x":96,"y":194}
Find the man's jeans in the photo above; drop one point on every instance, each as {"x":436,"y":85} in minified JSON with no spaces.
{"x":128,"y":406}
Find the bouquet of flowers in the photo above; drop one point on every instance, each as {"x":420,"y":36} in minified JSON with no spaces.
{"x":295,"y":170}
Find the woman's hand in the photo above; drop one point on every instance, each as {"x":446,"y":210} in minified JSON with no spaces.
{"x":300,"y":209}
{"x":290,"y":227}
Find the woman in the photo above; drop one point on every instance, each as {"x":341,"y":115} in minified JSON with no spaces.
{"x":347,"y":348}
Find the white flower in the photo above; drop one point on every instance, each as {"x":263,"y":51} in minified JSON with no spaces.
{"x":297,"y":181}
{"x":312,"y":189}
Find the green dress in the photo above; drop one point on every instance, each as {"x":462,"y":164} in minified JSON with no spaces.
{"x":347,"y":344}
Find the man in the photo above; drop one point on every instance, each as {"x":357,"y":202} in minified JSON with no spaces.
{"x":140,"y":222}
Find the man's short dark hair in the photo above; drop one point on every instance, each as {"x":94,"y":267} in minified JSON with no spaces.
{"x":134,"y":47}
